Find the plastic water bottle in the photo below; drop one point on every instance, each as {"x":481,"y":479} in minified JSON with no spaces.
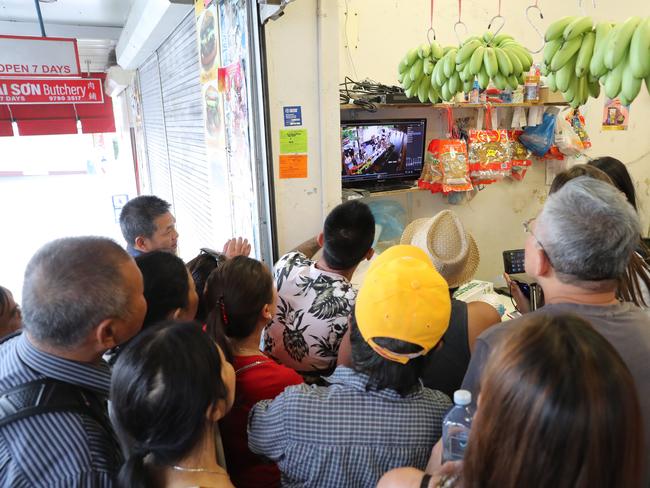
{"x":474,"y":94}
{"x":456,"y":427}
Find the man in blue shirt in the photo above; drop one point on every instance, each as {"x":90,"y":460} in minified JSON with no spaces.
{"x":147,"y":225}
{"x":375,"y":415}
{"x":81,"y":297}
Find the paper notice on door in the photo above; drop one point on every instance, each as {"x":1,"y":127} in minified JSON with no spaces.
{"x":293,"y":141}
{"x":293,"y":166}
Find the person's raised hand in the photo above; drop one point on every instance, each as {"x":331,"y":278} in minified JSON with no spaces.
{"x":437,"y":469}
{"x":522,"y":303}
{"x":435,"y":459}
{"x":236,"y":246}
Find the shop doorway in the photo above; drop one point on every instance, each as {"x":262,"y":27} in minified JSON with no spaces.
{"x":60,"y":185}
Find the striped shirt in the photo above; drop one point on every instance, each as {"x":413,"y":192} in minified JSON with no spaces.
{"x":57,"y":449}
{"x":343,"y":435}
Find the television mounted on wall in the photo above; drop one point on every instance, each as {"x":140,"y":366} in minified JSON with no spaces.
{"x":376,"y":152}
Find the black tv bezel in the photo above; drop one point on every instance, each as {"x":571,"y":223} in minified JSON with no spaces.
{"x":351,"y":182}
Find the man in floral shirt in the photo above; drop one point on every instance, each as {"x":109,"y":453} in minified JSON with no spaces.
{"x":315,"y":298}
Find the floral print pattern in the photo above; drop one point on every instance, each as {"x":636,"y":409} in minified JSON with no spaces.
{"x":312,"y":315}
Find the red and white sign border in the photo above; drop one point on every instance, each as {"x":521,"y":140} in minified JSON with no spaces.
{"x":47,"y":75}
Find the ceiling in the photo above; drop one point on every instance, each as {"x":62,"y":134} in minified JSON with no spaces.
{"x":96,"y":24}
{"x":105,"y":13}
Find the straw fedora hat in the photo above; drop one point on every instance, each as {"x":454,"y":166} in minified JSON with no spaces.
{"x":452,"y":250}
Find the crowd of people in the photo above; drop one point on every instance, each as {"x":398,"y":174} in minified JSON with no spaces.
{"x":132,"y":368}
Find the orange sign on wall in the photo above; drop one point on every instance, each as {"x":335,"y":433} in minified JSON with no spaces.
{"x":293,"y":166}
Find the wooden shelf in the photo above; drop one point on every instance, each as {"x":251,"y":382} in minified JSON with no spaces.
{"x":380,"y":194}
{"x":452,"y":105}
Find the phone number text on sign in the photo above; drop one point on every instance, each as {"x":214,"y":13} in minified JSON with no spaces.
{"x":50,"y":91}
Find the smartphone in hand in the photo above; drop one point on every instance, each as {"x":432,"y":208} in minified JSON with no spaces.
{"x":513,"y":261}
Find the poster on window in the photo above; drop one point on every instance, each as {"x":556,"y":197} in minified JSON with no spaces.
{"x":207,"y":29}
{"x":208,"y":46}
{"x":233,"y":30}
{"x":223,"y":49}
{"x":615,"y":115}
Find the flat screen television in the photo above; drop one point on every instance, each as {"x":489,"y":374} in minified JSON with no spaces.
{"x":377,"y":152}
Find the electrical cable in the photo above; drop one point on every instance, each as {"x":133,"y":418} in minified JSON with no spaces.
{"x":366,"y":93}
{"x":347,"y":42}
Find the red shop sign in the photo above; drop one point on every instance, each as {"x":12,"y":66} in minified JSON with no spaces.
{"x":21,"y":91}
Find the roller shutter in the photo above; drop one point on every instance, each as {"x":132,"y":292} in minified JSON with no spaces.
{"x":175,"y":141}
{"x":154,"y":130}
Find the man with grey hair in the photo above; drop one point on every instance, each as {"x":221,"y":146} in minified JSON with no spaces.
{"x":81,"y":297}
{"x":577,"y":249}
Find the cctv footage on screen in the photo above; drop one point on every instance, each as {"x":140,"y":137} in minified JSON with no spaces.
{"x":371,"y":151}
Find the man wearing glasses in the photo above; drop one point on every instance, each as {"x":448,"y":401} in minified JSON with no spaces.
{"x":578,"y":249}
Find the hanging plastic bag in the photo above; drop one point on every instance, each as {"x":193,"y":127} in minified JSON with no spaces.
{"x":445,"y":163}
{"x":489,"y":153}
{"x":566,"y":139}
{"x":390,"y":221}
{"x":540,"y":137}
{"x":577,"y":121}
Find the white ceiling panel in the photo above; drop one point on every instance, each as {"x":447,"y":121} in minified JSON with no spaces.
{"x":96,"y":55}
{"x":103,"y":13}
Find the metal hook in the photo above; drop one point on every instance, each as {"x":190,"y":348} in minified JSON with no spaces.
{"x":503,"y":23}
{"x":582,"y":8}
{"x":539,"y":33}
{"x":593,"y":2}
{"x":456,"y":31}
{"x":429,"y":32}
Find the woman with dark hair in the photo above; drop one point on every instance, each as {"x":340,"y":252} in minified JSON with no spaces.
{"x":169,"y":408}
{"x":168,"y":290}
{"x":200,"y":268}
{"x":574,"y":172}
{"x":558,"y":408}
{"x":10,"y":316}
{"x":168,"y":287}
{"x":636,"y":285}
{"x":243,"y":298}
{"x":619,"y":175}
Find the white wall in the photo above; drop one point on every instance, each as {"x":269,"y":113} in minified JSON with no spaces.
{"x":379,"y":32}
{"x":302,"y":60}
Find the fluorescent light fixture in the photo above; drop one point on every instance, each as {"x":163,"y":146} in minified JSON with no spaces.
{"x":149,"y":23}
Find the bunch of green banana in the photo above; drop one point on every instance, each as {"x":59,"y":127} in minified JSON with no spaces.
{"x":445,"y":78}
{"x":415,"y":72}
{"x":433,"y":73}
{"x":498,"y":58}
{"x":621,"y":59}
{"x":568,"y":54}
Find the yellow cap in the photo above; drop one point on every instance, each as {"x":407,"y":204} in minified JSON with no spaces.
{"x":403,"y":297}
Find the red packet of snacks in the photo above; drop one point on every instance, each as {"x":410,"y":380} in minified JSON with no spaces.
{"x":445,"y":163}
{"x":445,"y":167}
{"x":489,"y":153}
{"x":520,"y":155}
